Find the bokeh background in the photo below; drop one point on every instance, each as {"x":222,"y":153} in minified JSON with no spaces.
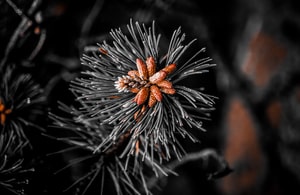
{"x":256,"y":46}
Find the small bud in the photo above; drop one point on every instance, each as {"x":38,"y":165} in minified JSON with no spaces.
{"x":168,"y":91}
{"x":152,"y":100}
{"x":142,"y":96}
{"x":165,"y":84}
{"x":156,"y":92}
{"x":142,"y":69}
{"x":134,"y":90}
{"x":158,"y":77}
{"x":151,"y":66}
{"x":169,"y":69}
{"x":133,"y":73}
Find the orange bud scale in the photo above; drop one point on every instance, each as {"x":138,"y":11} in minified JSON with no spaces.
{"x":142,"y":68}
{"x":142,"y":96}
{"x":156,"y":92}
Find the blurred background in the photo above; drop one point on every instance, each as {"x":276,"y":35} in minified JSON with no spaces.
{"x":255,"y":44}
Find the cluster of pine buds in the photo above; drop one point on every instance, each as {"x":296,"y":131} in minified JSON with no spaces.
{"x":134,"y":105}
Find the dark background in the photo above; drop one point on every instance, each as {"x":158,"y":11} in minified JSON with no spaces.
{"x":256,"y":46}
